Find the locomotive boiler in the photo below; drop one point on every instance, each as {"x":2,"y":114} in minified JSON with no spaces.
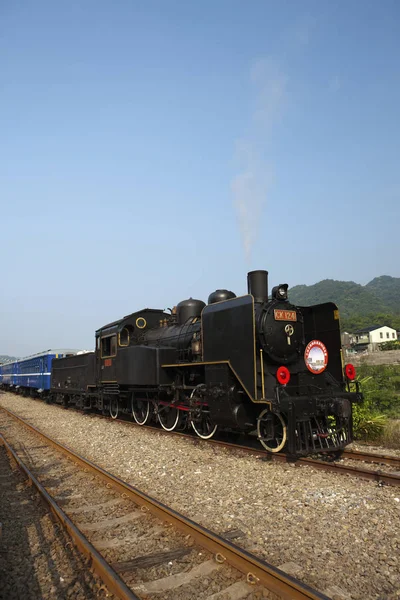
{"x":249,"y":363}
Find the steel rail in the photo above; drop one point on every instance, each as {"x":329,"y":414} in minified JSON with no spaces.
{"x":369,"y":457}
{"x":368,"y":474}
{"x":380,"y":476}
{"x":111,"y":579}
{"x":361,"y":472}
{"x":257,"y":570}
{"x":377,"y":475}
{"x":383,"y":459}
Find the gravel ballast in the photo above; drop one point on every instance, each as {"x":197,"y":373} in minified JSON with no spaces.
{"x":337,"y":533}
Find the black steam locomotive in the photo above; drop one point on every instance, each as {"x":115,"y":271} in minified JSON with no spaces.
{"x":240,"y":363}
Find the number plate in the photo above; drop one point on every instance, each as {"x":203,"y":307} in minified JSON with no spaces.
{"x":285,"y":315}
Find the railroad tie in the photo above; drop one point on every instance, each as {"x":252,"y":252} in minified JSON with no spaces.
{"x":111,"y":522}
{"x":174,"y":581}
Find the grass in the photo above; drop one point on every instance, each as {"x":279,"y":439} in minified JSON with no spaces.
{"x":368,"y":426}
{"x":390,"y":436}
{"x":377,"y":418}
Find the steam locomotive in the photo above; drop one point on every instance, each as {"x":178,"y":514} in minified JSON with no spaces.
{"x":247,"y":363}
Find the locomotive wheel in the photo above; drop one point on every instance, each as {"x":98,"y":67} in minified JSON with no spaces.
{"x":169,"y":417}
{"x":271,"y":431}
{"x":140,"y":410}
{"x":114,"y":408}
{"x":204,"y":427}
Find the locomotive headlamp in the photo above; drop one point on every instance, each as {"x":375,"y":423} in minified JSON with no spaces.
{"x":279,"y":292}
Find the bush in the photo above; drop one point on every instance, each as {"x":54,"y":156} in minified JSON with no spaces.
{"x":392,"y":345}
{"x":381,"y":388}
{"x":367,"y":425}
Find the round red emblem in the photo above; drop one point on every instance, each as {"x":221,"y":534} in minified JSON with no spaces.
{"x":316,"y":357}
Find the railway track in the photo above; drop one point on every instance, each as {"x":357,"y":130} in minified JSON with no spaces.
{"x":390,"y":477}
{"x":381,"y":459}
{"x":37,"y":559}
{"x":383,"y":477}
{"x":386,"y":477}
{"x":137,"y":545}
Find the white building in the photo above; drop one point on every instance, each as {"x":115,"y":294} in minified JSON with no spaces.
{"x":369,"y":338}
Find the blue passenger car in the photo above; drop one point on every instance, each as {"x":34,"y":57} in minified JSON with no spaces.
{"x":8,"y":374}
{"x":32,"y":373}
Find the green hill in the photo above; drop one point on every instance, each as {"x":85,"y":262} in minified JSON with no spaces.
{"x":378,"y":302}
{"x":387,"y":289}
{"x":4,"y":358}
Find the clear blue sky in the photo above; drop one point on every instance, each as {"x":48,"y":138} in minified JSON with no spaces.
{"x":156,"y":150}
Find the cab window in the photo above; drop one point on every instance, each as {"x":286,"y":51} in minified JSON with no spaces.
{"x":109,"y":346}
{"x":124,"y":337}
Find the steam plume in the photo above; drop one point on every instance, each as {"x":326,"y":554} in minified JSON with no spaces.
{"x":251,"y":185}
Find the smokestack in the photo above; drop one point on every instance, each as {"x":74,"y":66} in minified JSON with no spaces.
{"x":257,"y":285}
